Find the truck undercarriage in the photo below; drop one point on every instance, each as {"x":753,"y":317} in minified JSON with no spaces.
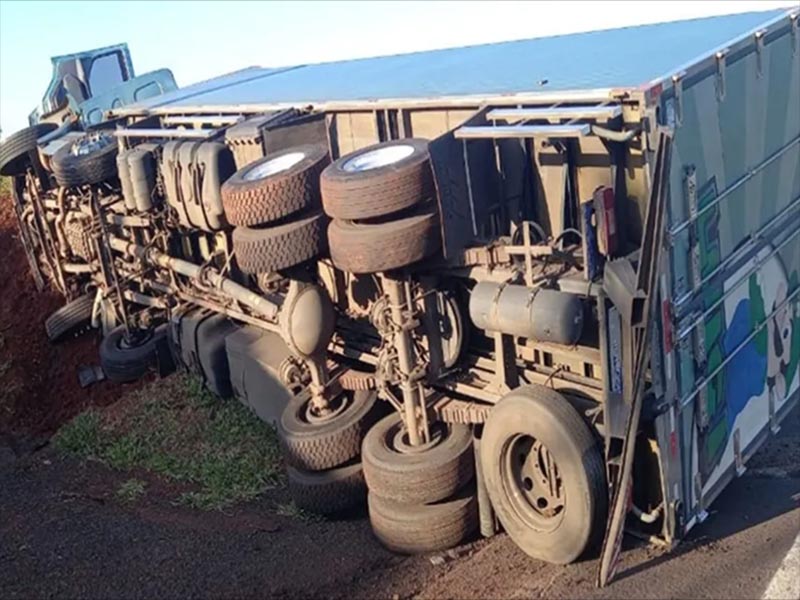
{"x":464,"y":308}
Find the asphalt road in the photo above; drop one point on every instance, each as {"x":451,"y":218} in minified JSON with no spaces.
{"x":63,"y":534}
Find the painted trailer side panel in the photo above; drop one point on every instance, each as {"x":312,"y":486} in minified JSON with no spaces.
{"x":734,"y":283}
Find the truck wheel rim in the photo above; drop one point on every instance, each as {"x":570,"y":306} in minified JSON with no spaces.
{"x":276,"y":165}
{"x":90,"y":143}
{"x":532,"y":483}
{"x":380,"y":157}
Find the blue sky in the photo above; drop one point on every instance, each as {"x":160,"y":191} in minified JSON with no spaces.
{"x":198,"y":40}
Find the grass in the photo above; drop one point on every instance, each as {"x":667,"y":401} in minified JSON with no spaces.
{"x":175,"y":428}
{"x":5,"y":186}
{"x":130,"y":490}
{"x":290,"y":509}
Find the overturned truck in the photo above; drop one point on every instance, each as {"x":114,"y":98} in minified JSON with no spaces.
{"x":548,"y":285}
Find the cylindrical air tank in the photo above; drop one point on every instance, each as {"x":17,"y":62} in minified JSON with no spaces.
{"x":538,"y":314}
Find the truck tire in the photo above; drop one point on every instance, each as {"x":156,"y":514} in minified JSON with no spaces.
{"x":371,"y":248}
{"x":417,"y":476}
{"x":378,"y":180}
{"x":418,"y":528}
{"x":71,"y":320}
{"x":275,"y":186}
{"x":327,"y":492}
{"x":268,"y":249}
{"x":316,"y":445}
{"x":14,"y":150}
{"x":123,"y":362}
{"x":96,"y":164}
{"x":520,"y":476}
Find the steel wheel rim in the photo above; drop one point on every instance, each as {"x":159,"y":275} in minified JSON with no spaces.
{"x":379,"y":157}
{"x":90,"y":143}
{"x":531,"y":481}
{"x":278,"y":164}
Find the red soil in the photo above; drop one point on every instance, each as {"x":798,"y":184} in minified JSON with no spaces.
{"x":39,"y":387}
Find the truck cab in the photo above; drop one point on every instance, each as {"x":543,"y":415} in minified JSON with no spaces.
{"x":87,"y":84}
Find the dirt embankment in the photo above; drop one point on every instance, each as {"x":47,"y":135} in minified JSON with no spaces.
{"x":39,"y":387}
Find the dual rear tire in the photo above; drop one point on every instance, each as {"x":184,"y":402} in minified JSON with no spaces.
{"x":421,"y":499}
{"x":382,"y":202}
{"x":274,"y":203}
{"x":322,"y":452}
{"x":539,"y":462}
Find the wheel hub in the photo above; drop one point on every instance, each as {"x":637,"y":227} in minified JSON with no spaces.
{"x":334,"y":408}
{"x":402,"y":445}
{"x":533,"y":483}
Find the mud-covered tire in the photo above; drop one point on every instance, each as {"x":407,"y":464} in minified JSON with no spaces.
{"x":327,"y":492}
{"x":545,"y":415}
{"x":14,"y":150}
{"x":269,"y":249}
{"x":421,"y":476}
{"x":418,"y":528}
{"x":123,"y":363}
{"x":71,"y":320}
{"x":251,"y":200}
{"x":353,"y":188}
{"x":374,"y":247}
{"x":95,"y":166}
{"x":320,"y":445}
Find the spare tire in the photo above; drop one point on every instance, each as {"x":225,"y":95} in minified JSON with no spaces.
{"x":14,"y":150}
{"x":378,"y":180}
{"x":269,"y":249}
{"x":90,"y":159}
{"x":72,"y":319}
{"x":371,"y":248}
{"x":275,"y":186}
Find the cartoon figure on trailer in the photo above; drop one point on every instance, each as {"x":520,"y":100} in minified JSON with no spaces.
{"x":757,"y":365}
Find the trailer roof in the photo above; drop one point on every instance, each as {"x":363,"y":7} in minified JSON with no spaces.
{"x":593,"y":61}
